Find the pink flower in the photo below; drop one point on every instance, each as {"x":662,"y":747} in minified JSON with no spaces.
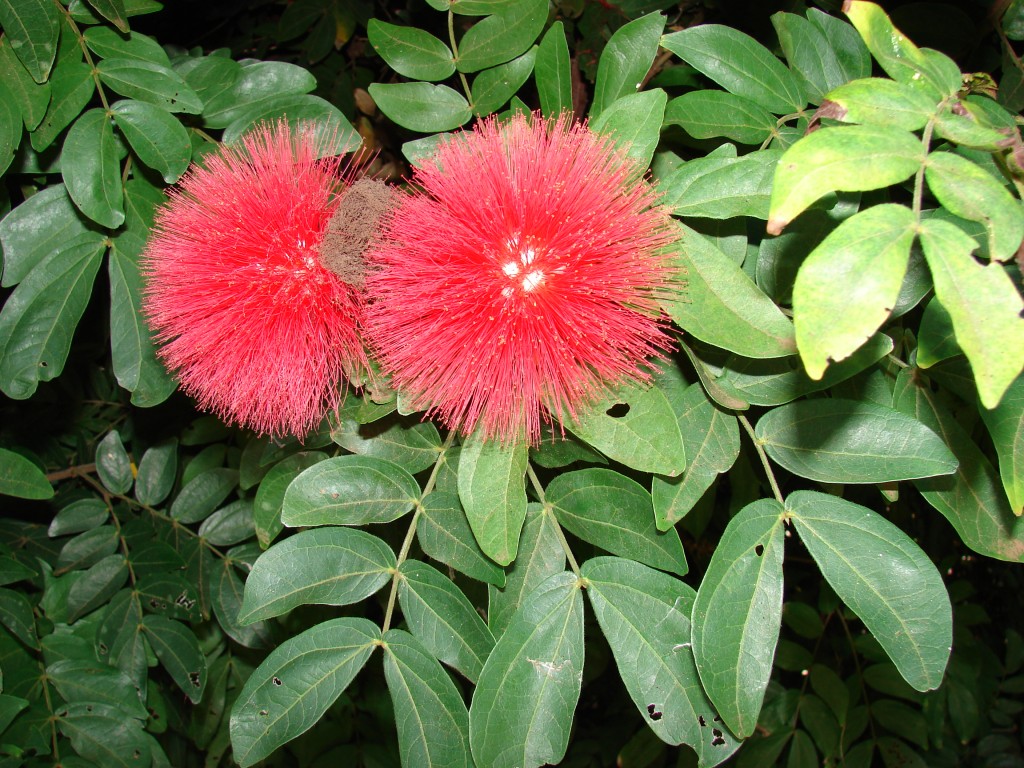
{"x":254,"y":324}
{"x":520,"y":279}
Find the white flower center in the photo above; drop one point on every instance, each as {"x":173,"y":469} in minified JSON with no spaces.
{"x":523,"y":257}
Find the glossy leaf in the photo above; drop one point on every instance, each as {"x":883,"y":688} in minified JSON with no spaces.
{"x":983,"y":304}
{"x":323,"y":566}
{"x":848,"y":285}
{"x":646,"y":437}
{"x":78,"y":516}
{"x":444,"y":534}
{"x":552,"y":72}
{"x":493,"y":87}
{"x":179,"y":653}
{"x":157,"y":137}
{"x":91,"y":169}
{"x":10,"y":127}
{"x":502,"y":36}
{"x":971,"y":499}
{"x":96,"y":586}
{"x":149,"y":82}
{"x":412,"y":52}
{"x":270,"y":495}
{"x":157,"y":470}
{"x":39,"y":318}
{"x":722,"y":306}
{"x":16,"y":615}
{"x":226,"y":592}
{"x":21,"y":478}
{"x":203,"y":494}
{"x":523,"y":705}
{"x":849,"y":158}
{"x":645,"y":616}
{"x":442,"y":618}
{"x":710,"y":114}
{"x":849,"y":441}
{"x":229,"y":90}
{"x":331,"y":131}
{"x":858,"y":551}
{"x":32,"y":26}
{"x":32,"y":98}
{"x":422,"y":107}
{"x":625,"y":60}
{"x":113,"y":464}
{"x":493,"y":493}
{"x":811,"y":55}
{"x":108,"y":44}
{"x":296,"y":683}
{"x":433,"y":724}
{"x":718,"y":187}
{"x":411,"y":444}
{"x":71,"y":89}
{"x":634,"y":122}
{"x":737,"y":614}
{"x":34,"y":229}
{"x":349,"y":490}
{"x":616,"y":514}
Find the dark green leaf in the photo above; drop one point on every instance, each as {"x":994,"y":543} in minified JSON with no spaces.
{"x":858,"y":552}
{"x":101,"y":733}
{"x":412,"y":52}
{"x":293,"y":687}
{"x":493,"y":87}
{"x":156,"y":136}
{"x":523,"y":705}
{"x":96,"y":586}
{"x":149,"y":82}
{"x":349,"y":490}
{"x":326,"y":566}
{"x":71,"y":88}
{"x":616,"y":514}
{"x":717,"y":187}
{"x":88,"y":548}
{"x":20,"y":477}
{"x":168,"y":594}
{"x":738,"y":612}
{"x":31,"y":97}
{"x":442,"y":618}
{"x":39,"y":318}
{"x":493,"y":494}
{"x":113,"y":464}
{"x":113,"y":11}
{"x":226,"y":593}
{"x":203,"y":494}
{"x":179,"y":653}
{"x":848,"y":285}
{"x":710,"y":114}
{"x":634,"y":123}
{"x":411,"y":444}
{"x":32,"y":26}
{"x":625,"y":60}
{"x":108,"y":44}
{"x":849,"y":158}
{"x":92,"y":172}
{"x":81,"y":680}
{"x":79,"y":516}
{"x":811,"y":55}
{"x":552,"y":72}
{"x":16,"y":615}
{"x":231,"y":525}
{"x":231,"y":91}
{"x":501,"y":37}
{"x":444,"y":534}
{"x":34,"y":229}
{"x":271,"y":493}
{"x":422,"y":107}
{"x":847,"y":441}
{"x":740,"y":64}
{"x":433,"y":727}
{"x":10,"y":126}
{"x":722,"y":306}
{"x":851,"y":52}
{"x":331,"y":131}
{"x":157,"y":470}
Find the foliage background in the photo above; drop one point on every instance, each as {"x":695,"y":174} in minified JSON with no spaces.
{"x":138,"y":624}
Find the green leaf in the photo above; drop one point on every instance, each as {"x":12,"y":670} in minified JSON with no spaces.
{"x":783,"y":380}
{"x":646,"y":437}
{"x":858,"y":552}
{"x":848,"y":441}
{"x":16,"y":615}
{"x":722,"y":187}
{"x":179,"y":653}
{"x":113,"y":11}
{"x":710,"y":114}
{"x":625,"y":60}
{"x":32,"y":27}
{"x":157,"y":137}
{"x":883,"y":102}
{"x":739,"y":64}
{"x":21,"y":478}
{"x":322,"y":566}
{"x":40,"y":316}
{"x":811,"y":55}
{"x":349,"y":490}
{"x":332,"y":133}
{"x":411,"y":444}
{"x":101,"y":733}
{"x":92,"y":171}
{"x":935,"y":338}
{"x":983,"y":304}
{"x":31,"y":97}
{"x":293,"y":687}
{"x":230,"y":91}
{"x":422,"y":107}
{"x":444,"y":534}
{"x":412,"y":52}
{"x":433,"y":728}
{"x":738,"y":612}
{"x":157,"y":470}
{"x":971,"y":499}
{"x":848,"y":285}
{"x":85,"y":680}
{"x":149,"y":82}
{"x":634,"y":123}
{"x":523,"y":705}
{"x":969,"y":191}
{"x":71,"y":89}
{"x":270,"y":495}
{"x":853,"y":55}
{"x":442,"y":618}
{"x":552,"y":72}
{"x":645,"y":616}
{"x":1005,"y":424}
{"x":229,"y":525}
{"x":36,"y":228}
{"x":500,"y":37}
{"x":226,"y":590}
{"x":203,"y":494}
{"x":616,"y":514}
{"x":136,"y":365}
{"x":851,"y":158}
{"x":113,"y":464}
{"x":88,"y":548}
{"x":900,"y":58}
{"x":493,"y":493}
{"x":722,"y":306}
{"x":712,"y":441}
{"x":493,"y":87}
{"x":96,"y":586}
{"x":108,"y":44}
{"x":10,"y":127}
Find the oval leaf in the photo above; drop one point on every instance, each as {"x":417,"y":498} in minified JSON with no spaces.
{"x":493,"y":493}
{"x":21,"y":478}
{"x":422,"y":107}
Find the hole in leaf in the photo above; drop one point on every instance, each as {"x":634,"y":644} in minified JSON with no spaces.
{"x":275,"y":680}
{"x":717,"y":740}
{"x":652,"y":710}
{"x":759,"y":550}
{"x":618,"y":410}
{"x":263,"y":713}
{"x":193,"y":677}
{"x":702,"y":721}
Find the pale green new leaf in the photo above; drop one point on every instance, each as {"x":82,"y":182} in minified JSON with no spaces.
{"x":492,"y":488}
{"x":880,"y":101}
{"x":884,"y":577}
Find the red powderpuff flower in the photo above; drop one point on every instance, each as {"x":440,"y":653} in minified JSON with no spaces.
{"x":521,"y":278}
{"x":255,"y":325}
